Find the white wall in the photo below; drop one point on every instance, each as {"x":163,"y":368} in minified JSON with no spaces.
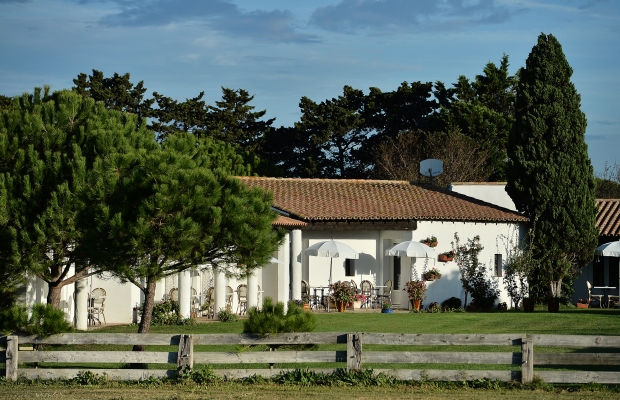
{"x":491,"y":192}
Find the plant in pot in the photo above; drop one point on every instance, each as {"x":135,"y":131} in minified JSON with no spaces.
{"x":432,"y":274}
{"x":416,"y":290}
{"x":358,"y":300}
{"x":386,"y":308}
{"x":502,"y":306}
{"x":343,"y":294}
{"x":528,"y":304}
{"x":583,"y":303}
{"x":430,"y":241}
{"x":447,"y":256}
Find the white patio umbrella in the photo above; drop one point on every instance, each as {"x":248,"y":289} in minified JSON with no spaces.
{"x":608,"y":250}
{"x":411,"y":249}
{"x":275,"y":261}
{"x":331,"y":249}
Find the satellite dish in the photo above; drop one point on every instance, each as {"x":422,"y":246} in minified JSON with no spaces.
{"x":431,"y":167}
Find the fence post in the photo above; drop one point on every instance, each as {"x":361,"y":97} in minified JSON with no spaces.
{"x":354,"y":352}
{"x":185,"y":356}
{"x":12,"y":349}
{"x":527,"y":360}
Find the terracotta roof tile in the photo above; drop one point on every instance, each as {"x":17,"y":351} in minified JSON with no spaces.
{"x":287,"y":222}
{"x":608,"y":217}
{"x":375,"y":200}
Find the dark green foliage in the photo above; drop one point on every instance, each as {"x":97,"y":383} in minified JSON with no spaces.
{"x":305,"y":377}
{"x":49,"y":148}
{"x":226,"y":316}
{"x":167,"y":313}
{"x":88,"y":378}
{"x":608,"y":182}
{"x":272,"y":319}
{"x":550,"y":177}
{"x":483,"y":290}
{"x":45,"y":320}
{"x":483,"y":110}
{"x":452,"y":303}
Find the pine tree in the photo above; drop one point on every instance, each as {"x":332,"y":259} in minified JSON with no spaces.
{"x":48,"y":147}
{"x":550,"y":177}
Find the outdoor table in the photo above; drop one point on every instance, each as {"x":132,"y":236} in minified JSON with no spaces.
{"x":605,"y":295}
{"x":322,"y":297}
{"x":377,"y":290}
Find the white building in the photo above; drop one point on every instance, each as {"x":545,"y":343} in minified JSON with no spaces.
{"x":368,"y":215}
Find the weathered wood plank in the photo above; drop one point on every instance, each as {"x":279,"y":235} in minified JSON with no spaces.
{"x":265,"y":373}
{"x":12,"y":357}
{"x":282,"y":339}
{"x":579,"y":376}
{"x":449,"y":375}
{"x":354,"y":352}
{"x":105,"y":338}
{"x":99,"y":357}
{"x":577,"y":359}
{"x":270,"y":357}
{"x":527,"y":360}
{"x":439,"y":339}
{"x":576,"y":340}
{"x":185,"y":356}
{"x":111,"y":374}
{"x":436,"y":357}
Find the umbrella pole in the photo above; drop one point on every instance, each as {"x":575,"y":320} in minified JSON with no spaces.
{"x":329,"y":298}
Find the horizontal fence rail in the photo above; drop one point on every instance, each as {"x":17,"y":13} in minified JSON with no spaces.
{"x":354,"y":355}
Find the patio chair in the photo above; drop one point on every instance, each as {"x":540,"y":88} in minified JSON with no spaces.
{"x":97,"y":306}
{"x":209,"y":304}
{"x":596,"y":297}
{"x":242,"y":299}
{"x":173,"y":295}
{"x":366,"y":287}
{"x":387,"y":293}
{"x":307,"y":296}
{"x":229,"y":298}
{"x":354,"y":285}
{"x":195,"y":304}
{"x":259,"y":294}
{"x":613,"y":299}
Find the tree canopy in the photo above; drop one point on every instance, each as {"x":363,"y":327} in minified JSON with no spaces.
{"x":550,"y":177}
{"x":49,"y":145}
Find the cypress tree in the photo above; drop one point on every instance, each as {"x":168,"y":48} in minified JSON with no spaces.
{"x":550,"y":177}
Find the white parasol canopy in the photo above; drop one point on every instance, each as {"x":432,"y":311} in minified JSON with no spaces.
{"x":411,"y":249}
{"x":331,"y":249}
{"x":275,"y":261}
{"x":608,"y":250}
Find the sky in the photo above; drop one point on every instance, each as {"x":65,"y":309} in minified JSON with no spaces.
{"x":282,"y":50}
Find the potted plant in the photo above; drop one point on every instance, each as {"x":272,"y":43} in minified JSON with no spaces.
{"x":432,"y":274}
{"x":502,"y":306}
{"x":583,"y":303}
{"x":528,"y":304}
{"x":358,"y":299}
{"x":430,"y":241}
{"x":447,"y":256}
{"x":343,"y":294}
{"x":386,"y":308}
{"x":416,"y":290}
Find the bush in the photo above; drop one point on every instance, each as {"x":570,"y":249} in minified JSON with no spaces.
{"x":225,"y":315}
{"x":45,"y":320}
{"x":167,"y":313}
{"x":452,"y":303}
{"x":434,"y":307}
{"x":272,"y":319}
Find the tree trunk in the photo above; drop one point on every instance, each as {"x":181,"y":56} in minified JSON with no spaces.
{"x":147,"y":311}
{"x":53,"y":294}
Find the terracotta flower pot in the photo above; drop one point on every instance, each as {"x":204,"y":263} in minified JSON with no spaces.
{"x":416,"y":304}
{"x":445,"y":258}
{"x":341,"y":306}
{"x":582,"y":305}
{"x":428,"y":277}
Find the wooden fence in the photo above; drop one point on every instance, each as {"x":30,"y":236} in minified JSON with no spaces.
{"x":16,"y":354}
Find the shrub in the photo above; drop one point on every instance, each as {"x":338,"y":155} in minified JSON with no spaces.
{"x":272,"y":319}
{"x":225,"y":315}
{"x":45,"y":320}
{"x":434,"y":307}
{"x":452,"y":303}
{"x":167,"y":313}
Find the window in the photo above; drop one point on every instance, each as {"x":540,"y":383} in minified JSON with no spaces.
{"x":349,"y":267}
{"x":498,"y":265}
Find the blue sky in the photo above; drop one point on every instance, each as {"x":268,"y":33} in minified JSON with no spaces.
{"x":282,"y":50}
